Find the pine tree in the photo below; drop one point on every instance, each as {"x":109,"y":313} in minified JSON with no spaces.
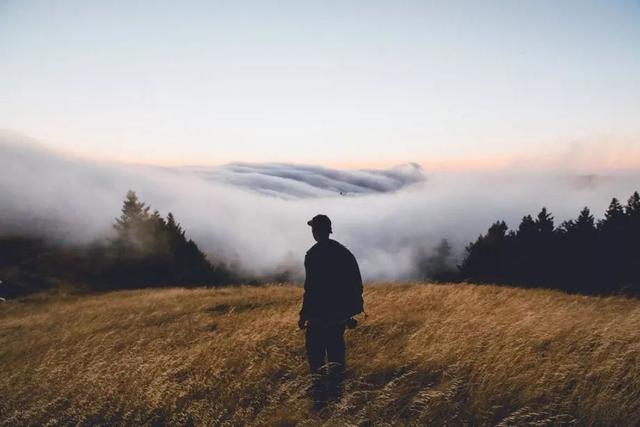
{"x":150,"y":250}
{"x":156,"y":240}
{"x":615,"y":218}
{"x":611,"y":237}
{"x":633,"y":206}
{"x":577,"y":268}
{"x":134,"y":212}
{"x":586,"y":222}
{"x":522,"y":264}
{"x":485,"y":259}
{"x":614,"y":215}
{"x":544,"y":222}
{"x":497,"y":232}
{"x":175,"y":230}
{"x":629,"y":243}
{"x":438,"y":267}
{"x":130,"y":226}
{"x":443,"y":251}
{"x":543,"y":252}
{"x":582,"y":255}
{"x":527,"y":227}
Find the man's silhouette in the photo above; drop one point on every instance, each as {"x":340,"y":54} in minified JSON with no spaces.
{"x":332,"y":295}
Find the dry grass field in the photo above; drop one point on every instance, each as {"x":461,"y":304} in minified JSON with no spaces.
{"x":426,"y":355}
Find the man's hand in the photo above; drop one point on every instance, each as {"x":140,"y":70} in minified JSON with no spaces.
{"x":302,"y":323}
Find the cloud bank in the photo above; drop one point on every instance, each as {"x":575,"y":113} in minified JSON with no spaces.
{"x":290,"y":181}
{"x":255,"y":215}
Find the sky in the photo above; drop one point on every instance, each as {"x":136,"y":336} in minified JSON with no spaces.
{"x":449,"y":85}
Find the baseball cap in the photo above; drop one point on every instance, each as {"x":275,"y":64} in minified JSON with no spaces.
{"x":320,"y":221}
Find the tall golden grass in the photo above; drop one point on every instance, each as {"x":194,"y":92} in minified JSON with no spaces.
{"x":427,"y":354}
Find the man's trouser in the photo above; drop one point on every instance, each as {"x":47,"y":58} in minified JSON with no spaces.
{"x":325,"y":346}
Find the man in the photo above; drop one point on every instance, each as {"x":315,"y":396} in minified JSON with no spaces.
{"x":332,"y":295}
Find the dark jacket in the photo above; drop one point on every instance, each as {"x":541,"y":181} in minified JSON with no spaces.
{"x":333,"y":285}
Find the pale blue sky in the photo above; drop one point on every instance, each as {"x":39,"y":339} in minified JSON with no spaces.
{"x":332,"y":82}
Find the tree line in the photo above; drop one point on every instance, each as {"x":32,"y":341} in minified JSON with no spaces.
{"x":580,"y":255}
{"x":150,"y":249}
{"x":145,"y":250}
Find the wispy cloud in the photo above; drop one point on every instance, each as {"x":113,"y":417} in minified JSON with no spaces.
{"x":292,"y":181}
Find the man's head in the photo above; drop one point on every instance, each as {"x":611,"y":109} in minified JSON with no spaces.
{"x":320,"y":227}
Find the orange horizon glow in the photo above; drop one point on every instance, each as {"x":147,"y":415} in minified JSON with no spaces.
{"x":629,"y":161}
{"x":603,"y":154}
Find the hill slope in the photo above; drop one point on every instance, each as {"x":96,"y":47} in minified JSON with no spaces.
{"x":426,"y":354}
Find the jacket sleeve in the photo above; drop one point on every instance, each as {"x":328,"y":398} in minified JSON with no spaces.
{"x":307,"y":289}
{"x":358,"y":302}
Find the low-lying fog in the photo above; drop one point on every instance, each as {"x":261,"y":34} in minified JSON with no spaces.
{"x":256,"y":214}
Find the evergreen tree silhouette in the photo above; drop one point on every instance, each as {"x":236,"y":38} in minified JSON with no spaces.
{"x":630,"y":244}
{"x":611,"y":233}
{"x":130,"y":225}
{"x":523,"y":263}
{"x":582,"y":255}
{"x":578,"y":245}
{"x":544,"y":251}
{"x":527,"y":228}
{"x":190,"y":262}
{"x":485,"y":258}
{"x":614,"y":214}
{"x":633,"y":206}
{"x":153,"y":251}
{"x":544,"y":223}
{"x":586,"y":222}
{"x":440,"y":266}
{"x":175,"y":230}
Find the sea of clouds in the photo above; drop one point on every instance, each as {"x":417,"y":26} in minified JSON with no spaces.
{"x":290,"y":181}
{"x":254,"y":215}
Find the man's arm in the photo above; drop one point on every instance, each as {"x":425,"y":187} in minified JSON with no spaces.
{"x":307,"y":294}
{"x":358,"y":302}
{"x":358,"y":285}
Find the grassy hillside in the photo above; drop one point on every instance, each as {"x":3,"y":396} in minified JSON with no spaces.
{"x":450,"y":354}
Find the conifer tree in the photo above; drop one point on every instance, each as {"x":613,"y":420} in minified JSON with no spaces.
{"x":134,"y":212}
{"x":633,"y":206}
{"x":153,"y":251}
{"x":527,"y":226}
{"x":585,"y":222}
{"x":630,"y":243}
{"x":581,"y":255}
{"x":440,"y":266}
{"x":544,"y":222}
{"x":579,"y":249}
{"x":485,"y":258}
{"x":615,"y":209}
{"x":523,"y":256}
{"x":130,"y":226}
{"x":175,"y":229}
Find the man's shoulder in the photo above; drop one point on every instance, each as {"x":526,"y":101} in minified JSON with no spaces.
{"x":312,"y":248}
{"x":330,"y":245}
{"x":339,"y":247}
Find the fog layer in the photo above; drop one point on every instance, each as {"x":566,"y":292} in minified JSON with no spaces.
{"x":255,"y":214}
{"x":290,"y":181}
